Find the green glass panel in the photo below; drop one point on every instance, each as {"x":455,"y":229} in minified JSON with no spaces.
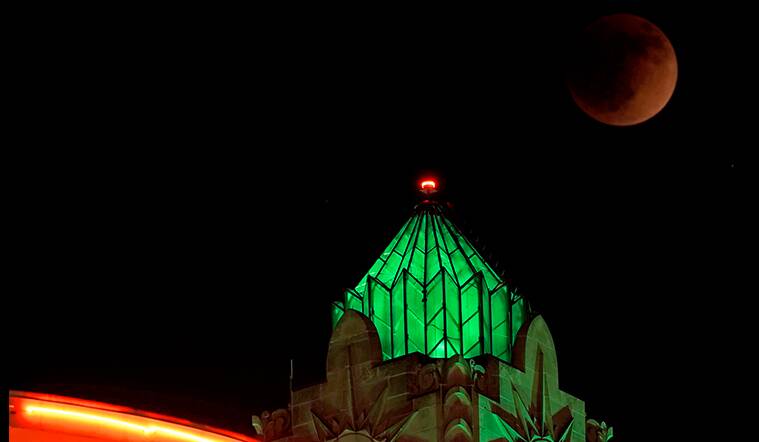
{"x":353,"y":301}
{"x":435,"y":317}
{"x":433,"y":265}
{"x":491,"y":280}
{"x":405,"y":264}
{"x":499,"y":302}
{"x":387,"y":273}
{"x":437,"y":349}
{"x":421,"y":234}
{"x":490,"y":277}
{"x":470,"y":313}
{"x":452,"y":314}
{"x":398,"y":322}
{"x":485,"y":316}
{"x":415,"y":316}
{"x":405,"y":248}
{"x":466,"y":247}
{"x":386,"y":253}
{"x":471,"y":335}
{"x":361,"y":287}
{"x":429,"y":233}
{"x":445,"y":261}
{"x":374,"y":270}
{"x":463,"y":271}
{"x":456,"y":235}
{"x":451,"y":348}
{"x":445,"y":238}
{"x":416,"y":266}
{"x":380,"y":315}
{"x":403,"y":241}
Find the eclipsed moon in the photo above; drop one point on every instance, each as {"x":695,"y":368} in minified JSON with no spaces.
{"x":623,"y":70}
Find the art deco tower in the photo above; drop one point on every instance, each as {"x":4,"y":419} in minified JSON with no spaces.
{"x":433,"y":345}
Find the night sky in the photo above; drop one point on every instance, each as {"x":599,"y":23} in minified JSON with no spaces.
{"x":201,"y":184}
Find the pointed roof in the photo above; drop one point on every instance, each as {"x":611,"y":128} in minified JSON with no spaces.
{"x":432,"y":292}
{"x":428,"y":242}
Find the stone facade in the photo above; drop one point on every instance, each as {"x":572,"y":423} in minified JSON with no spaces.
{"x":419,"y":398}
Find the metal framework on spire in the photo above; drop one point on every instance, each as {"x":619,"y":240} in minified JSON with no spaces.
{"x":431,"y":292}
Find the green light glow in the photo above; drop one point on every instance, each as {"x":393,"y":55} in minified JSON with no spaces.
{"x":430,"y":291}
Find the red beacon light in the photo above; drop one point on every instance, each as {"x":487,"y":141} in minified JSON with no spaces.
{"x":428,"y":186}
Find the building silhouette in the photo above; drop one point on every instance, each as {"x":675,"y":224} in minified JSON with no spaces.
{"x":433,"y":345}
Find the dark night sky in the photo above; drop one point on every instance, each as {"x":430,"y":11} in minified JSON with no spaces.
{"x":211,"y":180}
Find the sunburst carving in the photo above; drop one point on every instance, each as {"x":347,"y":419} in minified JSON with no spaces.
{"x":535,"y":422}
{"x":372,"y":424}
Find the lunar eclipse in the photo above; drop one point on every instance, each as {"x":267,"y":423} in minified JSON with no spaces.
{"x":622,"y":70}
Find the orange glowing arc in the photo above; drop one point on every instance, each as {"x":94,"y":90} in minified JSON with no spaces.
{"x":429,"y":185}
{"x":121,"y":424}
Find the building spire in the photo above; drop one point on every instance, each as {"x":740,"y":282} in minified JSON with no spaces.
{"x":432,"y":292}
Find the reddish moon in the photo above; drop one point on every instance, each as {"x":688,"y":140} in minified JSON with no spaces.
{"x":623,"y":70}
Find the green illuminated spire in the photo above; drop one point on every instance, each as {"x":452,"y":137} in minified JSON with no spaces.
{"x":431,"y":292}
